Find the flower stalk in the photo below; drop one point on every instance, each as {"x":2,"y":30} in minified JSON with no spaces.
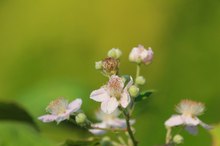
{"x":130,"y":132}
{"x":138,"y":71}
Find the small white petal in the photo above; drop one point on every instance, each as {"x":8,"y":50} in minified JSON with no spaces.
{"x":47,"y":118}
{"x":75,"y":105}
{"x":99,"y":95}
{"x":175,"y":120}
{"x":125,"y":99}
{"x":98,"y":131}
{"x":192,"y":129}
{"x":188,"y":120}
{"x":109,"y":105}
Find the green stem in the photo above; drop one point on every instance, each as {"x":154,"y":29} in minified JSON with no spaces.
{"x":168,"y":135}
{"x":127,"y":118}
{"x":138,"y":70}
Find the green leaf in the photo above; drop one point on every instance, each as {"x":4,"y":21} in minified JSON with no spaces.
{"x":12,"y":111}
{"x":143,"y":95}
{"x":89,"y":142}
{"x":20,"y":134}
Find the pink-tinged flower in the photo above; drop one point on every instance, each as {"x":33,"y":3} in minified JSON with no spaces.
{"x":59,"y":110}
{"x":188,"y":110}
{"x":108,"y":121}
{"x":141,"y":55}
{"x":113,"y":94}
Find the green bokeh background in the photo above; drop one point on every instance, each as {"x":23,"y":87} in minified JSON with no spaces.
{"x":48,"y":49}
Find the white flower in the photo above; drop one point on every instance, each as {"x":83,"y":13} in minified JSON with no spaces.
{"x":141,"y":55}
{"x":113,"y":94}
{"x":108,"y":121}
{"x":189,"y":110}
{"x":60,"y":110}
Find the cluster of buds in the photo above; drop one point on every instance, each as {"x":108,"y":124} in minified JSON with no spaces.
{"x":110,"y":65}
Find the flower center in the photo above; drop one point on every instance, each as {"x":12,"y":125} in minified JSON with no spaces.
{"x":115,"y":86}
{"x":190,"y":108}
{"x":58,"y":106}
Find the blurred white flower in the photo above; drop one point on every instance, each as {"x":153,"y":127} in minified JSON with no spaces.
{"x":141,"y":55}
{"x":113,"y":94}
{"x":188,"y":110}
{"x":108,"y":121}
{"x":60,"y":110}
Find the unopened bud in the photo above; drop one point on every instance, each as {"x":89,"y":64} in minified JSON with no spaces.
{"x":106,"y":141}
{"x":110,"y":66}
{"x":178,"y":139}
{"x":80,"y":118}
{"x":141,"y":55}
{"x":114,"y":53}
{"x":98,"y":65}
{"x":133,"y":90}
{"x":140,"y":80}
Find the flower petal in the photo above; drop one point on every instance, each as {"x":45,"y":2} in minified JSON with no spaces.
{"x":63,"y":117}
{"x":125,"y":99}
{"x":47,"y":118}
{"x":188,"y":120}
{"x":192,"y":129}
{"x":116,"y":123}
{"x":98,"y":131}
{"x":99,"y":95}
{"x":206,"y":126}
{"x":175,"y":120}
{"x":109,"y":105}
{"x":75,"y":105}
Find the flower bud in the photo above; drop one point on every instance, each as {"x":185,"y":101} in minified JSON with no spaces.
{"x":178,"y":139}
{"x":133,"y":90}
{"x":140,"y":80}
{"x":110,"y":66}
{"x":80,"y":118}
{"x":114,"y":53}
{"x":98,"y":65}
{"x":106,"y":141}
{"x":141,"y":55}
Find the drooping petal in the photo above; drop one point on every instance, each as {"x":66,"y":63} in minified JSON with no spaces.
{"x":109,"y":105}
{"x":188,"y":120}
{"x":206,"y":126}
{"x":47,"y":118}
{"x":98,"y":131}
{"x":75,"y":105}
{"x":192,"y":129}
{"x":125,"y":99}
{"x":99,"y":95}
{"x":175,"y":120}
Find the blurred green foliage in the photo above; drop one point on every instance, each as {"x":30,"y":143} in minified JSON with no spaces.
{"x":48,"y":49}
